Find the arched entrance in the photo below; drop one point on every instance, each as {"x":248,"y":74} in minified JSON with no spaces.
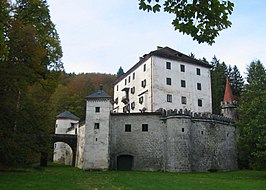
{"x":124,"y":162}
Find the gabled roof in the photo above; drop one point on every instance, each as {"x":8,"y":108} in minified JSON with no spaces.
{"x":99,"y":94}
{"x":67,"y":115}
{"x":168,"y":53}
{"x":228,"y":95}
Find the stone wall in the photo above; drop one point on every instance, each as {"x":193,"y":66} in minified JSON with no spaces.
{"x":176,"y":141}
{"x":147,"y":147}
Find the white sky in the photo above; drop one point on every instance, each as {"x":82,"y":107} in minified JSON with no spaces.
{"x":101,"y":36}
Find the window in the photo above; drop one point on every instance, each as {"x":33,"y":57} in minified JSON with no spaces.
{"x":125,"y":81}
{"x":144,"y":127}
{"x":183,"y":130}
{"x":116,"y":100}
{"x":183,"y":83}
{"x":168,"y":81}
{"x":200,"y":102}
{"x":96,"y":125}
{"x":144,"y":67}
{"x":199,"y":86}
{"x":127,"y":128}
{"x":143,"y":83}
{"x":201,"y":132}
{"x":56,"y":125}
{"x":141,"y":100}
{"x":129,"y":79}
{"x":169,"y":98}
{"x":132,"y":90}
{"x":97,"y":109}
{"x":168,"y":65}
{"x":183,"y":100}
{"x":133,"y":77}
{"x":133,"y":105}
{"x":182,"y":68}
{"x":198,"y":71}
{"x":116,"y":87}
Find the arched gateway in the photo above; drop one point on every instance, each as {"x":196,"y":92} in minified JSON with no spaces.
{"x":69,"y":139}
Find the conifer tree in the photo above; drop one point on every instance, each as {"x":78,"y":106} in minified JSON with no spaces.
{"x":218,"y":78}
{"x":252,"y":122}
{"x":120,"y":72}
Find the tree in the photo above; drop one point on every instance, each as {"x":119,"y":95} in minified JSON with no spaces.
{"x":120,"y":72}
{"x":202,"y":20}
{"x":236,"y":81}
{"x":252,"y":123}
{"x":218,"y":79}
{"x":29,"y":61}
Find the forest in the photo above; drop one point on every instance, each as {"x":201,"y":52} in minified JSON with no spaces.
{"x":34,"y":88}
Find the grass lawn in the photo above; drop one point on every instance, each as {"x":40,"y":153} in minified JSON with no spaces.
{"x":64,"y":177}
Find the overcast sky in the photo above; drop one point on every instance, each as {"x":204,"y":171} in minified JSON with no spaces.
{"x":101,"y":36}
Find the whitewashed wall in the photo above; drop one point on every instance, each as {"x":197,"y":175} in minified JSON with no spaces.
{"x":140,"y":75}
{"x":157,"y":89}
{"x":161,"y":89}
{"x":96,"y":148}
{"x":62,"y":152}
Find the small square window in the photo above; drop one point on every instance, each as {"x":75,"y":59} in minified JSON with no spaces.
{"x":168,"y":65}
{"x":169,"y":98}
{"x":183,"y":83}
{"x":184,"y":100}
{"x":144,"y":127}
{"x":144,"y":67}
{"x":141,"y":100}
{"x":143,"y":83}
{"x":132,"y":90}
{"x":97,"y":109}
{"x":96,"y":125}
{"x":200,"y":102}
{"x":168,"y":81}
{"x":198,"y":86}
{"x":127,"y":128}
{"x":133,"y":77}
{"x":182,"y":68}
{"x":198,"y":71}
{"x":133,"y":105}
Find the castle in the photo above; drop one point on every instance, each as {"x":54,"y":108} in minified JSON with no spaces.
{"x":159,"y":120}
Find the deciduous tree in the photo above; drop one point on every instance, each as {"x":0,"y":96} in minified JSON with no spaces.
{"x":202,"y":20}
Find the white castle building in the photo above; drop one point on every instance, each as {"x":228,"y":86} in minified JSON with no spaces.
{"x":159,"y":120}
{"x":164,"y":78}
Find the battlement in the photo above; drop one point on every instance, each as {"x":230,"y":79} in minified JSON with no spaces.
{"x":208,"y":117}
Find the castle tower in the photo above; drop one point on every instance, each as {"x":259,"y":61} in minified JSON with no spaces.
{"x":96,"y":149}
{"x":64,"y":121}
{"x":229,"y":103}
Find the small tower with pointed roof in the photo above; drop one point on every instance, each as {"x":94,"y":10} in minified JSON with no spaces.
{"x":97,"y":131}
{"x":229,"y":103}
{"x":64,"y":121}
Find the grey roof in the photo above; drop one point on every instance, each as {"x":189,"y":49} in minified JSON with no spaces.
{"x":67,"y":115}
{"x":99,"y":94}
{"x":164,"y":52}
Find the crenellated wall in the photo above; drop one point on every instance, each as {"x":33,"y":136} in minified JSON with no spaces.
{"x":176,"y":141}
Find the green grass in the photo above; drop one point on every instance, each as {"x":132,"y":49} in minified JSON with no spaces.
{"x":63,"y":177}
